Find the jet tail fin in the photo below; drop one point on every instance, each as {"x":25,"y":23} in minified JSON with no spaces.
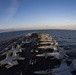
{"x":14,"y":54}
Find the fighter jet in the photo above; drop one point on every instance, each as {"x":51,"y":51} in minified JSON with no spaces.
{"x":8,"y":61}
{"x":16,"y":56}
{"x":27,"y":41}
{"x":46,"y":54}
{"x":17,"y":49}
{"x":62,"y":70}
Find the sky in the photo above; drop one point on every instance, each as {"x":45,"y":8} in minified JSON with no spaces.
{"x":38,"y":14}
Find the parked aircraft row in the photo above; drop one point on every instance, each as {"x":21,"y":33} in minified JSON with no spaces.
{"x":12,"y":56}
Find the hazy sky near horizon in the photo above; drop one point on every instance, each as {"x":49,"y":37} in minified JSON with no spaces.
{"x":29,"y":14}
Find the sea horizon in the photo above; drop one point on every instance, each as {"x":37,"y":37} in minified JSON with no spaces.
{"x":15,"y":30}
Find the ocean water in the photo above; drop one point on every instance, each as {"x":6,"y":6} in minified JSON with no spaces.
{"x":65,"y":38}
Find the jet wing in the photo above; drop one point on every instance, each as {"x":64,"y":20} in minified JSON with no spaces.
{"x":40,"y":55}
{"x":11,"y":64}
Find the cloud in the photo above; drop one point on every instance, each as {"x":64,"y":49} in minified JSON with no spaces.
{"x":11,"y":10}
